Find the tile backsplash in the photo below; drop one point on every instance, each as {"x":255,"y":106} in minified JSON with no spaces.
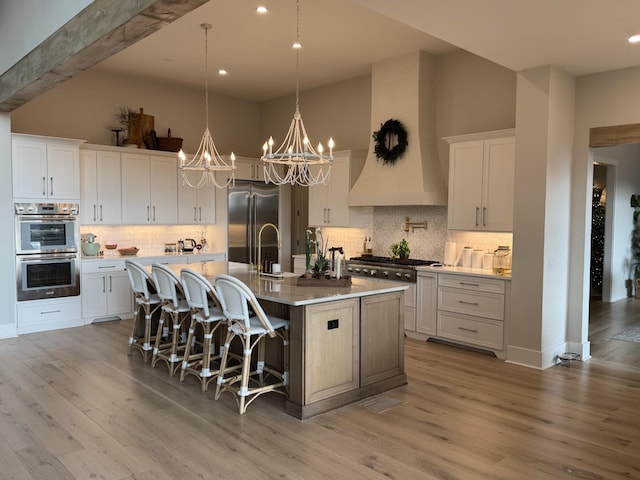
{"x":384,"y":226}
{"x":150,"y":239}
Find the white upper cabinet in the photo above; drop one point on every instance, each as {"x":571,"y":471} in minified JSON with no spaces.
{"x":100,"y":192}
{"x":481,"y":172}
{"x":196,"y":205}
{"x":45,"y":168}
{"x":328,"y":204}
{"x":149,"y":189}
{"x":249,"y":169}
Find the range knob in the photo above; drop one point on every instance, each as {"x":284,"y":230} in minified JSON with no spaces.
{"x":407,"y":276}
{"x":365,"y":270}
{"x":357,"y":270}
{"x":372,"y":272}
{"x":349,"y":269}
{"x":385,"y":273}
{"x":398,"y":274}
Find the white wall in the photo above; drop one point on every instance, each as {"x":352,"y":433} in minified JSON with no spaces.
{"x":85,"y":107}
{"x":7,"y":257}
{"x":605,"y":99}
{"x":544,"y":132}
{"x":27,"y":23}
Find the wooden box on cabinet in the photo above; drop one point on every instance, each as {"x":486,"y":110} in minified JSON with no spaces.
{"x":481,"y":173}
{"x":45,"y":168}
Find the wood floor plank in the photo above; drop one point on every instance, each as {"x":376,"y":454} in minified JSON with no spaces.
{"x":74,"y":405}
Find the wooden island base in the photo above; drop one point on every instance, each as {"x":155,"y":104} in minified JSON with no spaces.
{"x":343,"y":351}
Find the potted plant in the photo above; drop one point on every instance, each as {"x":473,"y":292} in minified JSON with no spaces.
{"x":321,"y":265}
{"x":400,"y":251}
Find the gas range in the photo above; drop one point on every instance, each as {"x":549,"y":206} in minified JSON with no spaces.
{"x":385,"y":268}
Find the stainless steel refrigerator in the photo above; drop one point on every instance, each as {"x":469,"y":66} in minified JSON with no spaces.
{"x":251,"y":205}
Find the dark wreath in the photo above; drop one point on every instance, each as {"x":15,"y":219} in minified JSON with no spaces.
{"x":383,"y":138}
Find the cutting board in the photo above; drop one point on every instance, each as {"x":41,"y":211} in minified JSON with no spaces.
{"x":140,"y":124}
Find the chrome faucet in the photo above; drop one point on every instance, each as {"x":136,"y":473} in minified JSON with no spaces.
{"x":259,"y":261}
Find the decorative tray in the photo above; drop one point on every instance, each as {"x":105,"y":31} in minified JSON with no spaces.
{"x":324,"y":281}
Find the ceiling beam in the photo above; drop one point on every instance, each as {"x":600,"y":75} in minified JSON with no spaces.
{"x":103,"y":28}
{"x":614,"y":135}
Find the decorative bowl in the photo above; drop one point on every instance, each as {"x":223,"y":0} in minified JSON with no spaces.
{"x":90,"y":248}
{"x":110,"y":246}
{"x":128,"y":251}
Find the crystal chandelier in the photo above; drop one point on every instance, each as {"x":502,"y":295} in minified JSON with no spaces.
{"x":296,"y":162}
{"x":207,"y":161}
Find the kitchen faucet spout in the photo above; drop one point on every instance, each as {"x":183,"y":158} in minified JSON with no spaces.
{"x":259,"y":264}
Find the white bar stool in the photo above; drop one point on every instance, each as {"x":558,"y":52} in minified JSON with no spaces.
{"x":237,"y":302}
{"x":205,"y":312}
{"x":174,"y":311}
{"x":148,"y":303}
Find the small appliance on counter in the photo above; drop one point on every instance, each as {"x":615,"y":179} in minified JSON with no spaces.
{"x":186,"y":245}
{"x":89,"y":245}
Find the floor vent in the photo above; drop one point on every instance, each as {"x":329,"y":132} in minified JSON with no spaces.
{"x":381,"y":404}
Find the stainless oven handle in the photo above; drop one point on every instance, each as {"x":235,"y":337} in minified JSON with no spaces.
{"x":47,"y":257}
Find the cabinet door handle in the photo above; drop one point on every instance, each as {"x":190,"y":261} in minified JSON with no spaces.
{"x":44,"y":186}
{"x":477,"y":211}
{"x":475,"y":304}
{"x":51,"y":180}
{"x":154,"y":213}
{"x":95,"y":218}
{"x":470,"y":284}
{"x":100,"y":213}
{"x":199,"y":214}
{"x":104,"y":284}
{"x":484,"y":216}
{"x":110,"y":284}
{"x":472,"y":330}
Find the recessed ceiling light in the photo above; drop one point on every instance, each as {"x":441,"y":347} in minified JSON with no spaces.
{"x":634,"y":38}
{"x":222,"y":71}
{"x":262,"y":9}
{"x":297,"y":45}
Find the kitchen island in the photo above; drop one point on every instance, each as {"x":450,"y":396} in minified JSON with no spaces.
{"x":346,"y":343}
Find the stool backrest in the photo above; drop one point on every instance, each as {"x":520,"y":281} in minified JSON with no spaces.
{"x":167,"y":283}
{"x":140,"y":280}
{"x":198,"y":291}
{"x":236,"y":298}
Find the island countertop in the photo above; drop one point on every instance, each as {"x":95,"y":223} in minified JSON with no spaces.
{"x":284,"y":290}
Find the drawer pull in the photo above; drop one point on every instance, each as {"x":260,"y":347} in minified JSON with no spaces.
{"x":470,"y":284}
{"x":475,"y":304}
{"x":472,"y":330}
{"x":49,"y":312}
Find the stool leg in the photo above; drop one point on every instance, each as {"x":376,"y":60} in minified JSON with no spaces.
{"x":205,"y":373}
{"x":158,"y":342}
{"x":243,"y":392}
{"x":223,"y":363}
{"x":187,"y":348}
{"x":134,"y":330}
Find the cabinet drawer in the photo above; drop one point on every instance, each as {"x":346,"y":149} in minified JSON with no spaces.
{"x":41,"y":315}
{"x":103,"y":266}
{"x":475,"y":331}
{"x":469,"y":282}
{"x":473,"y":303}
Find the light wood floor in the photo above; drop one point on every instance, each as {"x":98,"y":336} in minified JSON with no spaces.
{"x":608,"y":319}
{"x":73,"y":405}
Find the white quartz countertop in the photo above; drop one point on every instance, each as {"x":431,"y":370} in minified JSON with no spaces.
{"x":147,"y":258}
{"x":462,"y":271}
{"x":284,"y":290}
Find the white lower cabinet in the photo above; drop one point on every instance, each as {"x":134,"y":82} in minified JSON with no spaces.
{"x":105,"y":290}
{"x":49,"y":314}
{"x":471,"y":310}
{"x":426,"y":304}
{"x":466,"y":309}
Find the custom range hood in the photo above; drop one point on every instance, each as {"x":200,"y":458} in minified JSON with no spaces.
{"x":403,"y":89}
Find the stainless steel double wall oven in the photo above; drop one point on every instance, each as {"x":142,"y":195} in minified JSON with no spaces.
{"x":47,"y":250}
